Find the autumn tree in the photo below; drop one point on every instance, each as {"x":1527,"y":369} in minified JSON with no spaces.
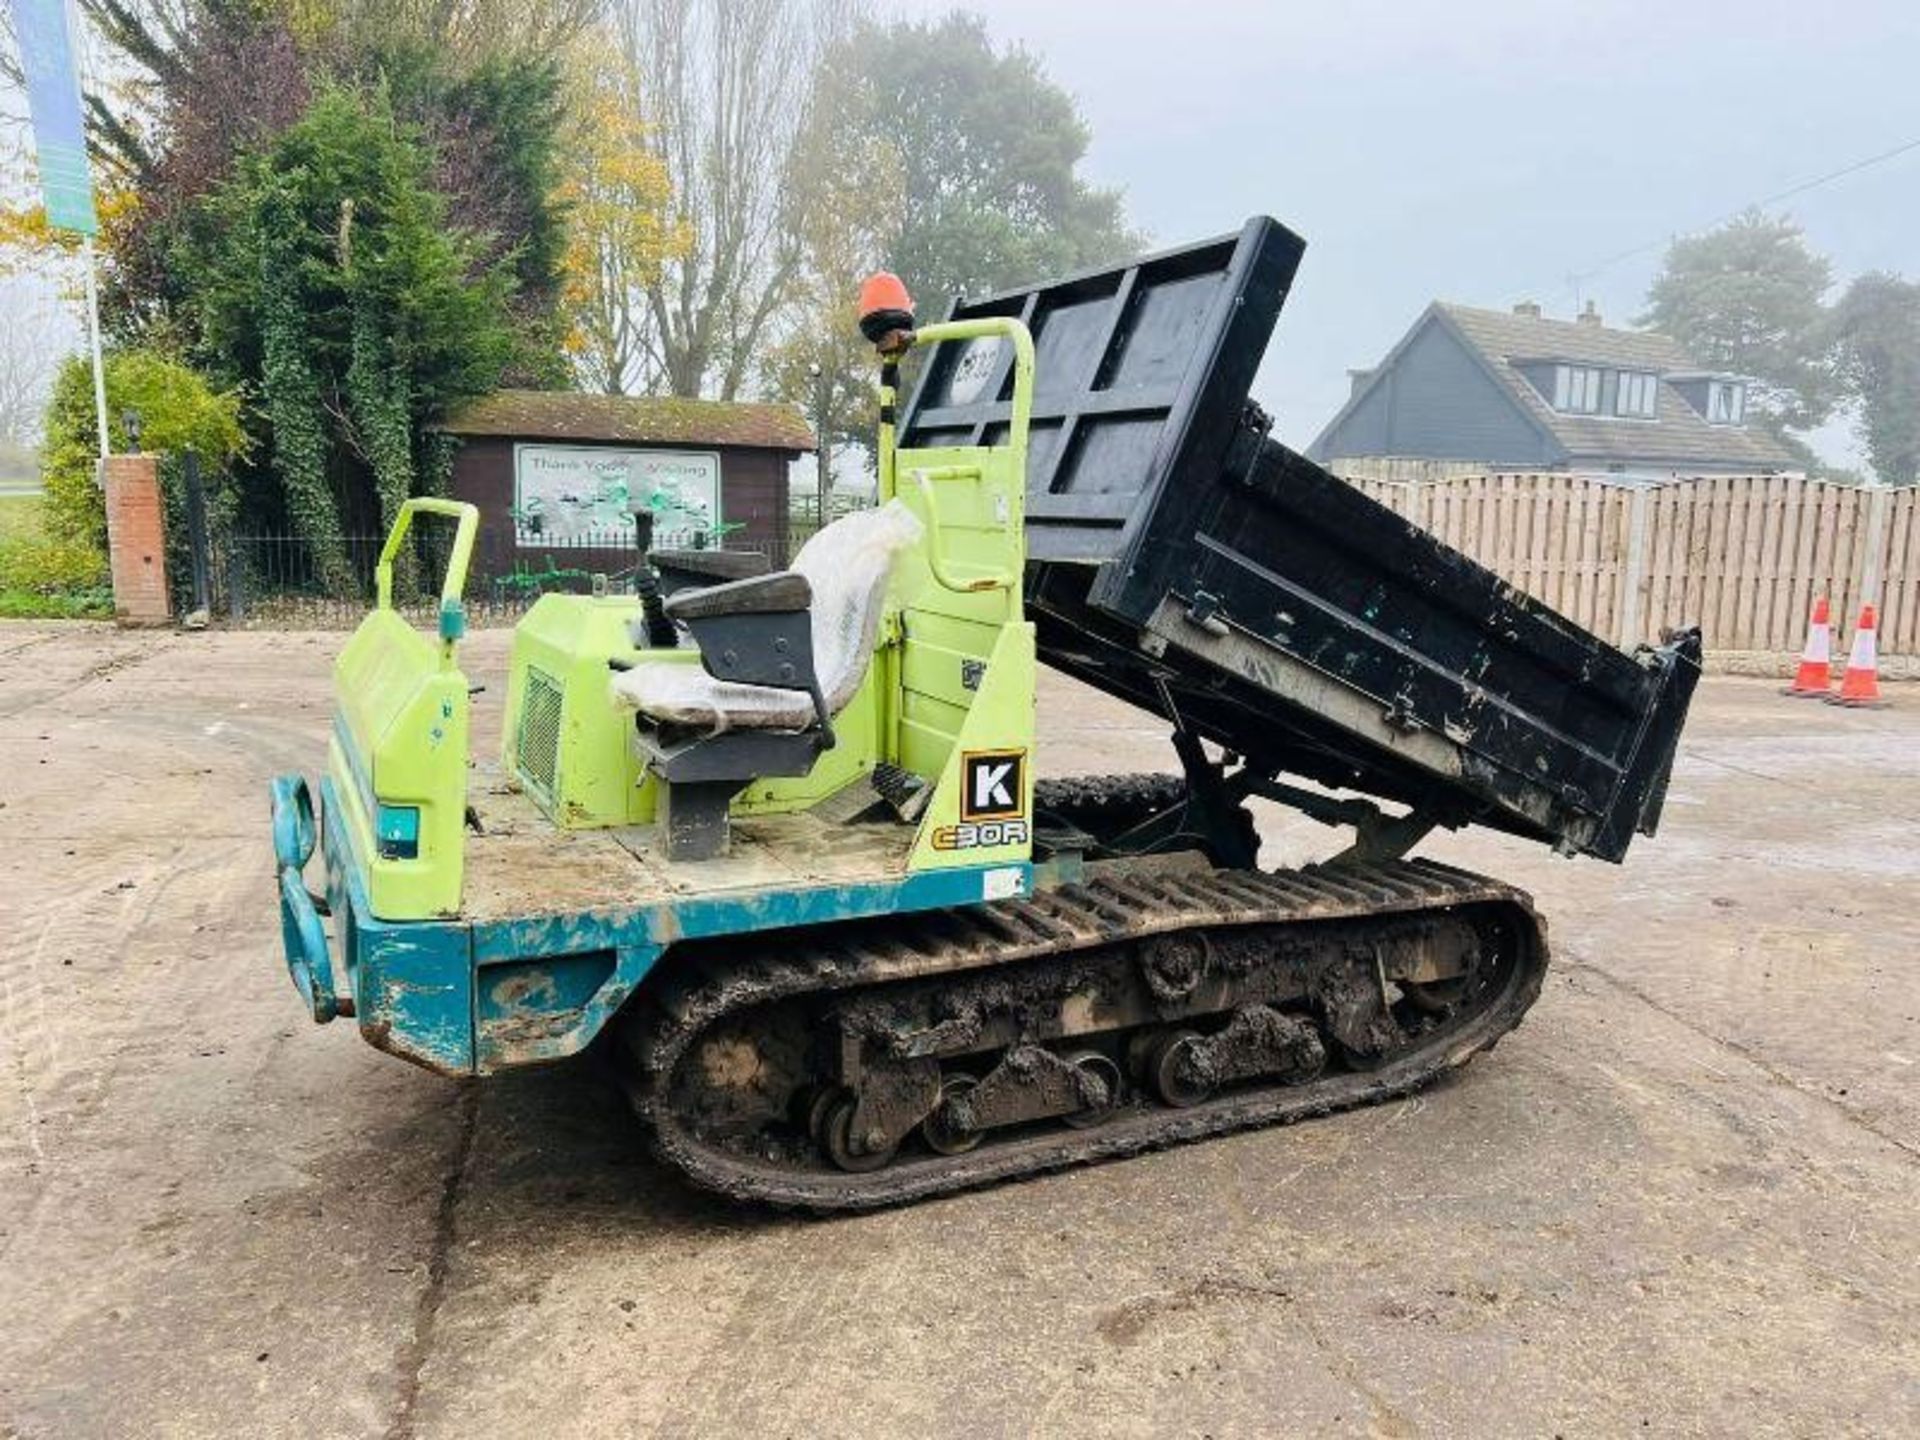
{"x":202,"y":90}
{"x":186,"y":87}
{"x":620,"y":235}
{"x":29,"y":246}
{"x":1748,"y":298}
{"x":1875,"y":331}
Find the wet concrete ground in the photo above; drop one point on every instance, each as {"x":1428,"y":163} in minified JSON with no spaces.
{"x":1684,"y":1198}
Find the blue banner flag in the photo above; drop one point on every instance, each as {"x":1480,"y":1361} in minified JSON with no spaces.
{"x":53,"y":100}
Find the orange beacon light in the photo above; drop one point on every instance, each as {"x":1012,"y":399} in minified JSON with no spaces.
{"x":885,"y":306}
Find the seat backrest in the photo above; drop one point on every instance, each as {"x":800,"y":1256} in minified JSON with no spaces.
{"x":847,"y":565}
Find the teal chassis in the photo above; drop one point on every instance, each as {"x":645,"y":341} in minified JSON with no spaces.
{"x":473,"y":998}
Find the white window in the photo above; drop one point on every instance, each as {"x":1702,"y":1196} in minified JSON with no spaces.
{"x":1636,"y":395}
{"x":1576,"y":389}
{"x":1726,"y":402}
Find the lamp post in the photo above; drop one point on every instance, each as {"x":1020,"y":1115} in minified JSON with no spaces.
{"x":823,"y":453}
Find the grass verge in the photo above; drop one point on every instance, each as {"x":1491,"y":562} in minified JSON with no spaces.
{"x":43,"y":579}
{"x":33,"y":605}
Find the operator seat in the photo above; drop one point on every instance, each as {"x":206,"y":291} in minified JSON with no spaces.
{"x":780,"y":655}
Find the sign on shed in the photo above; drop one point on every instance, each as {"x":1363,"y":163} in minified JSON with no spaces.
{"x":572,"y":492}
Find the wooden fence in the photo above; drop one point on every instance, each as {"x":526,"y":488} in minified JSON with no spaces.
{"x":1741,"y":556}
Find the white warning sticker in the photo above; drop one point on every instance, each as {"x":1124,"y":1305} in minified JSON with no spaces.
{"x":1003,"y":884}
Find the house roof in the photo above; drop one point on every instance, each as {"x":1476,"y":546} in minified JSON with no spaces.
{"x":632,"y":419}
{"x":1679,"y":434}
{"x":1524,"y":337}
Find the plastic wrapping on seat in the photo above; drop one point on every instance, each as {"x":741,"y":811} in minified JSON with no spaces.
{"x":687,"y":695}
{"x":846,"y":565}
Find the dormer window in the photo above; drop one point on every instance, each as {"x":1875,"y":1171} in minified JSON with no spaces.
{"x":1726,"y":402}
{"x":1576,"y":389}
{"x":1716,"y":398}
{"x":1637,"y":395}
{"x":1596,"y":390}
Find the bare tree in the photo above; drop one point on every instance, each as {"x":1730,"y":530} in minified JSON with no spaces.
{"x":34,"y":336}
{"x":615,"y":190}
{"x":725,"y":96}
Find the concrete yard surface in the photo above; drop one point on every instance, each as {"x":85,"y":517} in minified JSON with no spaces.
{"x":1683,"y":1198}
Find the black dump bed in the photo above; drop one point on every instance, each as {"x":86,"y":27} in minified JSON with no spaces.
{"x":1180,"y":557}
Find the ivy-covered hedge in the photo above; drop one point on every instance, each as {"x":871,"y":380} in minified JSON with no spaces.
{"x":330,"y":280}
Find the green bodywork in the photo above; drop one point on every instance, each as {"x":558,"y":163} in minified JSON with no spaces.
{"x":399,"y":741}
{"x":572,"y":750}
{"x":952,"y":673}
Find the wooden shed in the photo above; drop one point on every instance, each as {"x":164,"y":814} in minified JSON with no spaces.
{"x":559,"y":473}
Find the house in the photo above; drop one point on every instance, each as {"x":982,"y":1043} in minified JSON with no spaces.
{"x":555,"y":472}
{"x":1516,"y":391}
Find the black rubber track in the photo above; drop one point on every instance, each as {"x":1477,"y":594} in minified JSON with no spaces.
{"x":655,"y":1035}
{"x":1106,"y":804}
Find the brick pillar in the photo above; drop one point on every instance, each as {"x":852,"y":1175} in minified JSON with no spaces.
{"x":137,"y":539}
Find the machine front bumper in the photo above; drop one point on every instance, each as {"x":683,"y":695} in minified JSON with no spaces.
{"x":302,"y":935}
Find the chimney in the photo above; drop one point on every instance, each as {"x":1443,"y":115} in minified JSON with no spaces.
{"x":1590,"y":315}
{"x":1528,"y":309}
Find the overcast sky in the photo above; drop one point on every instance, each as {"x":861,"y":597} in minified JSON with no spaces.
{"x":1485,"y":150}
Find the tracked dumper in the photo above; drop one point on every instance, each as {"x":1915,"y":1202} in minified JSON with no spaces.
{"x":772,"y":843}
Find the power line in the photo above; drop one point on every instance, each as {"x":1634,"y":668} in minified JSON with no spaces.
{"x":1855,"y":167}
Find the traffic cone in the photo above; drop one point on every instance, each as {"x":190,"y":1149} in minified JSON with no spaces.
{"x":1815,"y":675}
{"x":1860,"y":686}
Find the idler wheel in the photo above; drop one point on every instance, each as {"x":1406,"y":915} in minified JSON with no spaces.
{"x":836,"y":1138}
{"x":1098,"y":1067}
{"x":1173,"y":1074}
{"x":943,"y":1137}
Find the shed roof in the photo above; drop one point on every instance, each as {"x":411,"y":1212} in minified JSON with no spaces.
{"x":632,"y":419}
{"x":1679,"y":434}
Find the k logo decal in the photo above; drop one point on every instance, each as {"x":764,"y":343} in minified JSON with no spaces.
{"x":990,"y":790}
{"x":995,"y":783}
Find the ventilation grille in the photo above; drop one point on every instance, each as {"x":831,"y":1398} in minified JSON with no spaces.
{"x":539,"y":743}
